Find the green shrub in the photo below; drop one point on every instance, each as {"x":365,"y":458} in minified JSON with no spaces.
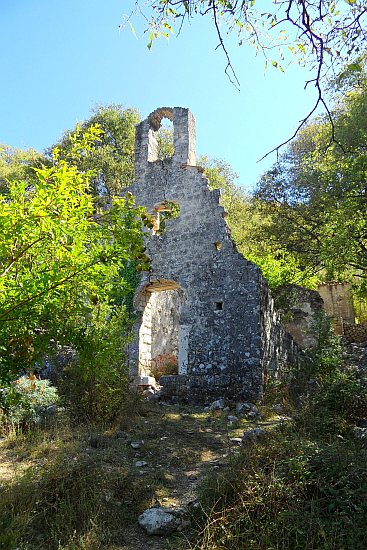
{"x":94,"y":386}
{"x":335,"y":405}
{"x":288,"y":493}
{"x":318,"y":364}
{"x":24,"y":401}
{"x":346,"y":394}
{"x":99,"y":397}
{"x":322,"y":360}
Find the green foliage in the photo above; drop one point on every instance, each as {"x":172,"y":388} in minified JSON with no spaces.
{"x":248,"y":224}
{"x":168,"y":210}
{"x":111,"y":160}
{"x":289,"y":493}
{"x":16,"y":165}
{"x":282,"y":268}
{"x":165,"y":143}
{"x":62,"y":256}
{"x":23,"y":402}
{"x":315,"y":196}
{"x":94,"y":386}
{"x":336,"y":405}
{"x":360,"y":303}
{"x":318,"y":366}
{"x":322,"y":360}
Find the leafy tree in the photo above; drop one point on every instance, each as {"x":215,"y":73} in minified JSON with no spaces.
{"x":61,"y":257}
{"x":165,"y":143}
{"x":112,"y":158}
{"x":16,"y":164}
{"x":316,"y":194}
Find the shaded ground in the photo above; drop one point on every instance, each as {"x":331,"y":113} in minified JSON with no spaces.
{"x":180,"y":446}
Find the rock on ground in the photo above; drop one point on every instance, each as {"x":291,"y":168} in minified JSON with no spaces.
{"x":161,"y":521}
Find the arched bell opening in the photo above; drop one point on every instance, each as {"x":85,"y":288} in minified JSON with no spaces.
{"x":148,"y":144}
{"x":161,"y":135}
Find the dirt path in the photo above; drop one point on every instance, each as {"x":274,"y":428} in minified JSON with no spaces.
{"x":161,"y":457}
{"x":181,"y":446}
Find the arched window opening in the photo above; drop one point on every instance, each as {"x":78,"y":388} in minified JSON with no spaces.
{"x":161,"y":135}
{"x":163,"y":211}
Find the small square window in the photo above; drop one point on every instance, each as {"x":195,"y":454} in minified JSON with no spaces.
{"x":219,"y":306}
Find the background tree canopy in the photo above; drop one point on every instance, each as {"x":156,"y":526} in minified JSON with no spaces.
{"x":111,"y":161}
{"x":315,"y":197}
{"x":247,"y":221}
{"x":16,"y":164}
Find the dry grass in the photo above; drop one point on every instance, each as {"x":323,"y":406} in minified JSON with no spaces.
{"x":77,"y":487}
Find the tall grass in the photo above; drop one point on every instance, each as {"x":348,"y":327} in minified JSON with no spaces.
{"x":288,"y":493}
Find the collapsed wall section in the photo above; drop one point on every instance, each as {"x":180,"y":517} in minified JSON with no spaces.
{"x":278,"y":346}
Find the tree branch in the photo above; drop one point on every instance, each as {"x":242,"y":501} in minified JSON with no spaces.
{"x":12,"y":261}
{"x":42,"y":292}
{"x":229,"y":68}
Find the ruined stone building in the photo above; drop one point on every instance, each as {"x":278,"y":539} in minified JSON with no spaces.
{"x":338,"y":303}
{"x":203,"y":306}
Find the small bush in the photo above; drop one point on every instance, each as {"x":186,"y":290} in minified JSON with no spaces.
{"x":98,"y":397}
{"x":163,"y":365}
{"x":94,"y":385}
{"x":24,"y":401}
{"x":322,"y":360}
{"x":318,"y":364}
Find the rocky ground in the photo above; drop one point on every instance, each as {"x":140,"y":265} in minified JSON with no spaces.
{"x":355,"y":355}
{"x":157,"y":461}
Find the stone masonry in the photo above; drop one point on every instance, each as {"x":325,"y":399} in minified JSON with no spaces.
{"x":338,"y":304}
{"x":300,"y":308}
{"x":202,"y":304}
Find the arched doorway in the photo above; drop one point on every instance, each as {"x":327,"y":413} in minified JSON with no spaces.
{"x":162,"y":339}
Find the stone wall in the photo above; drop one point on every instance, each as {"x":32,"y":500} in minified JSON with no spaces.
{"x":229,"y":336}
{"x":300,"y":307}
{"x":278,"y":346}
{"x":355,"y":333}
{"x":338,"y":303}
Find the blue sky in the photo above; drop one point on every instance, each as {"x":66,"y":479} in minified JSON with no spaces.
{"x":59,"y":59}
